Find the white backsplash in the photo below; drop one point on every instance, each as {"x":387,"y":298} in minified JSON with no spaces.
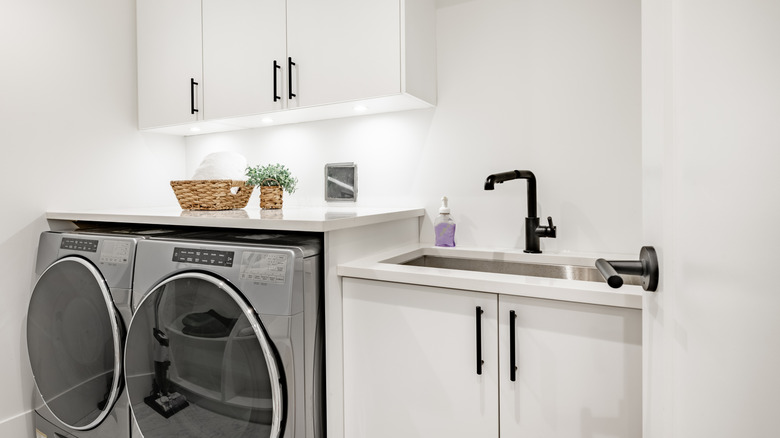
{"x":522,"y":85}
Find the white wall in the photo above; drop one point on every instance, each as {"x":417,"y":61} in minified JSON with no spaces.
{"x":550,"y":86}
{"x":68,"y":140}
{"x":711,"y":149}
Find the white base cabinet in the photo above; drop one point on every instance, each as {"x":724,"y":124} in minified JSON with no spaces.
{"x":410,"y":362}
{"x":579,"y":369}
{"x":410,"y":365}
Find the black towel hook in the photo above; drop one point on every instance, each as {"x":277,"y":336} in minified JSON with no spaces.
{"x":646,"y":267}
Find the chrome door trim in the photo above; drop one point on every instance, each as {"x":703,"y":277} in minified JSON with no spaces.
{"x":116,"y":334}
{"x":270,"y":358}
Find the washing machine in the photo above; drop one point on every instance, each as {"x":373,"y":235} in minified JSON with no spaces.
{"x":226,"y":337}
{"x":76,"y":322}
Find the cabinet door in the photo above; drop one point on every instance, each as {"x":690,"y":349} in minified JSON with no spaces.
{"x":343,"y":49}
{"x":169,"y":61}
{"x":579,"y":370}
{"x":410,"y":355}
{"x":241,"y":41}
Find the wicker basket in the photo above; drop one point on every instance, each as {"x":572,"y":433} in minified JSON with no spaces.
{"x":271,"y":196}
{"x":211,"y":194}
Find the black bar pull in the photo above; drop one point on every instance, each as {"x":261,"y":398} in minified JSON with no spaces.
{"x":276,"y":67}
{"x":512,"y":359}
{"x":479,"y":340}
{"x":290,"y":65}
{"x":646,"y":267}
{"x":193,"y":84}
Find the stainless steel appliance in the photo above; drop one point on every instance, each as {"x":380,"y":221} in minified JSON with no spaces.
{"x":76,"y":322}
{"x":226,"y":337}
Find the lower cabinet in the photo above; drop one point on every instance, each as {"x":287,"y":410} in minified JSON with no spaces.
{"x":424,"y":361}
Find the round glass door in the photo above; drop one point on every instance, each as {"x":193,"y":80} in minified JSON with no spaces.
{"x":74,"y":338}
{"x":198,"y":363}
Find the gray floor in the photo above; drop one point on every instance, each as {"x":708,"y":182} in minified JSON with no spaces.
{"x":195,"y":422}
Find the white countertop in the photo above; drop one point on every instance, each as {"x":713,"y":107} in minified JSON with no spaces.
{"x":317,"y":219}
{"x":385,"y":267}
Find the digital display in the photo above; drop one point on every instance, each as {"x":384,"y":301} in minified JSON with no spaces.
{"x":79,"y":244}
{"x":203,"y":256}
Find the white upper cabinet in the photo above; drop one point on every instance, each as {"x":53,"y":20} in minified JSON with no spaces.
{"x":343,"y":50}
{"x":241,"y":41}
{"x":282,"y":60}
{"x":170,"y":63}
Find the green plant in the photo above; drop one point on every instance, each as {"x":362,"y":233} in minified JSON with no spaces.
{"x":261,"y":176}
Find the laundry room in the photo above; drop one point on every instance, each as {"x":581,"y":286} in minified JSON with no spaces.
{"x":646,"y":123}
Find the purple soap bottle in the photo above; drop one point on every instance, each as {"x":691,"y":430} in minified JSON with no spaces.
{"x":444,"y":226}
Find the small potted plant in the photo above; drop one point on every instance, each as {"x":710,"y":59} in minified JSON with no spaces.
{"x":272,"y":179}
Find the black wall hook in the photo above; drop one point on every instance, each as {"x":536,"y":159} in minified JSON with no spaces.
{"x":646,"y":267}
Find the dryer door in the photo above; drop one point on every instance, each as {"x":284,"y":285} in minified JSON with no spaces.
{"x":74,"y":339}
{"x":199,"y":363}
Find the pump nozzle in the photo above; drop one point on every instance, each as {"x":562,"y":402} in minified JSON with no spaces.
{"x":444,"y":209}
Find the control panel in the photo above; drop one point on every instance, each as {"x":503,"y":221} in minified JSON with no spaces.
{"x":203,"y":256}
{"x":79,"y":244}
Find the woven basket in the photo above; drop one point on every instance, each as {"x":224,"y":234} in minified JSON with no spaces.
{"x":211,"y":194}
{"x":271,"y":196}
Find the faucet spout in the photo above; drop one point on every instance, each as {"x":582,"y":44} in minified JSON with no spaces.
{"x":498,"y":178}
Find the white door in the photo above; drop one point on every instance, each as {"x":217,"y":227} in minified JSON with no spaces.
{"x":169,"y":62}
{"x":711,"y":148}
{"x":343,"y":50}
{"x":242,"y":39}
{"x":578,"y":369}
{"x":410,"y":362}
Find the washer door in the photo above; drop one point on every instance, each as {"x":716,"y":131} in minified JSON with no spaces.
{"x":199,"y":363}
{"x":74,"y":339}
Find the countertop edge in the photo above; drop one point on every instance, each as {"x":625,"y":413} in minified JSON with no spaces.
{"x":585,"y":292}
{"x":342,"y":218}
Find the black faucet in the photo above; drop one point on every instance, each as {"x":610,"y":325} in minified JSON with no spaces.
{"x":533,"y":231}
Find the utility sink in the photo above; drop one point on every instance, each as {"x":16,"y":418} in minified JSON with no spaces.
{"x":565,"y":272}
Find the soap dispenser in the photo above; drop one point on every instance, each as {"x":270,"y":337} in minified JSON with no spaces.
{"x":444,"y":226}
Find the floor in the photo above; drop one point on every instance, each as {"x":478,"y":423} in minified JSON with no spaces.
{"x":195,"y":421}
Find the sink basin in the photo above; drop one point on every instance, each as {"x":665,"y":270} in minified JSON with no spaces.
{"x":565,"y":272}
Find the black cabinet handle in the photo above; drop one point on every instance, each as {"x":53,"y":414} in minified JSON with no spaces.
{"x":276,"y":67}
{"x":290,"y":65}
{"x":193,"y":84}
{"x":512,"y":360}
{"x":479,"y":340}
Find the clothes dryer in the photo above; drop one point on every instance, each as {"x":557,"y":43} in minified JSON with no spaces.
{"x":75,"y":334}
{"x":226,"y":337}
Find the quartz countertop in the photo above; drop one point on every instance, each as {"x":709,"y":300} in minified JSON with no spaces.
{"x":388,"y":267}
{"x":313,"y":219}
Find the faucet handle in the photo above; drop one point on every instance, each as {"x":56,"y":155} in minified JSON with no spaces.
{"x":551,"y":227}
{"x":547,"y":231}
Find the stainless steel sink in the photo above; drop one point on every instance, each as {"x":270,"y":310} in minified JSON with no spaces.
{"x":566,"y":272}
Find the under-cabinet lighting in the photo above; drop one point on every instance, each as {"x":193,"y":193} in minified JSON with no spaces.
{"x":267,"y":120}
{"x":195,"y":129}
{"x":360,"y":108}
